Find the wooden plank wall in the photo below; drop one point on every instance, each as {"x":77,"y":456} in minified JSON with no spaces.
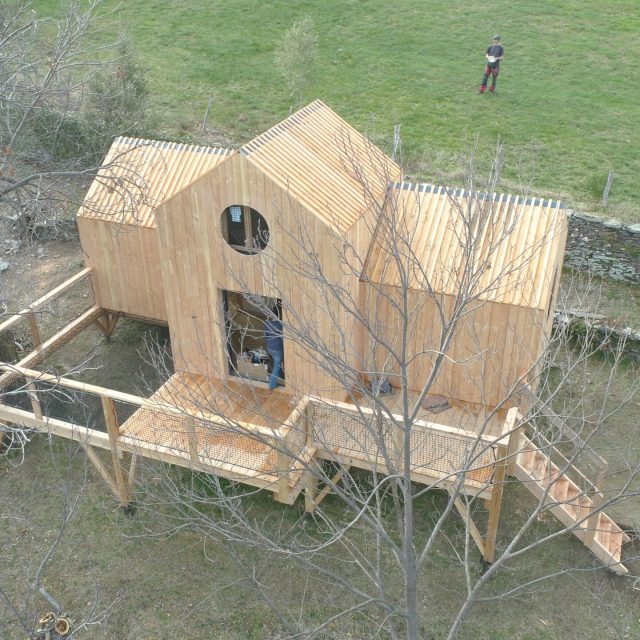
{"x":126,"y":267}
{"x":494,"y":345}
{"x":197,"y":264}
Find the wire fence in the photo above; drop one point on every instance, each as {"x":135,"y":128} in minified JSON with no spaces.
{"x":378,"y":439}
{"x":21,"y":333}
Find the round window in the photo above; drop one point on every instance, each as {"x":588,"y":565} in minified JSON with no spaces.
{"x":244,"y":229}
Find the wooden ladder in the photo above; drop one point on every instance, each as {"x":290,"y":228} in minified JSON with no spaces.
{"x":597,"y":531}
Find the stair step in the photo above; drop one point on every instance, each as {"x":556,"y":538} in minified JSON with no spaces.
{"x":603,"y":532}
{"x":559,"y":489}
{"x":569,"y":504}
{"x":525,"y":458}
{"x":539,"y":466}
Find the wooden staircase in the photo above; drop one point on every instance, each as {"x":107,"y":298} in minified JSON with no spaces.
{"x":597,"y":531}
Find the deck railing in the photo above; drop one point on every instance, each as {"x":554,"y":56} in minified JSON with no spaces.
{"x":28,"y":336}
{"x":95,"y":416}
{"x":375,"y":439}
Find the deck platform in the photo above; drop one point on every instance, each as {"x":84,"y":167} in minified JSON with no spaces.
{"x":225,"y":428}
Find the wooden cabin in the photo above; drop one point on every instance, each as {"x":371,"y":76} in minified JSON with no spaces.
{"x":379,"y":283}
{"x":207,"y":239}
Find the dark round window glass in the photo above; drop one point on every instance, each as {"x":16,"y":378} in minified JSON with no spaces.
{"x":244,"y":229}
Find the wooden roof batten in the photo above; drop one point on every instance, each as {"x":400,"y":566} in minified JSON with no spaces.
{"x":324,"y":163}
{"x":138,"y":175}
{"x":516,"y":242}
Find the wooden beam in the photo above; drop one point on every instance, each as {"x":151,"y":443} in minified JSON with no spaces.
{"x":310,"y":490}
{"x":131,"y":472}
{"x":107,"y":324}
{"x":470,"y":487}
{"x":113,"y":432}
{"x":267,"y":432}
{"x":32,"y":391}
{"x":466,"y":516}
{"x":515,"y":438}
{"x":192,"y":438}
{"x":495,"y":503}
{"x":34,"y":329}
{"x":102,"y":470}
{"x":55,"y":427}
{"x":327,"y":488}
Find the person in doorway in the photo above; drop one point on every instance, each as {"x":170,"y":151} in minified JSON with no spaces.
{"x":275,"y":346}
{"x":494,"y":53}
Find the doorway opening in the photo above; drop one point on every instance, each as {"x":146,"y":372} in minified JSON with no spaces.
{"x":245,"y":316}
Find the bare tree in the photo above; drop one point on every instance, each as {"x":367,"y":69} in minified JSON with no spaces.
{"x":62,"y":98}
{"x":371,"y":545}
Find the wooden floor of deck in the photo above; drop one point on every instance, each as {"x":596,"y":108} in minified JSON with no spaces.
{"x":223,"y":446}
{"x":460,"y":415}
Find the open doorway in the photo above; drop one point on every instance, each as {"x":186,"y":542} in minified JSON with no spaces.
{"x":245,"y":317}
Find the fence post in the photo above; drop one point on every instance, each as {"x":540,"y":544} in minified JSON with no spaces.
{"x":113,"y":431}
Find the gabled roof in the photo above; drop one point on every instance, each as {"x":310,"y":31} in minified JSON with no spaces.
{"x":515,"y":252}
{"x":324,"y":163}
{"x":138,"y":175}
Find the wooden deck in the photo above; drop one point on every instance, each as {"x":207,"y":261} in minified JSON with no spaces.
{"x":227,"y":427}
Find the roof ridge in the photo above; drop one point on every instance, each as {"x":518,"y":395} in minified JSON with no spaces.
{"x":289,"y":122}
{"x":173,"y":145}
{"x":426,"y":187}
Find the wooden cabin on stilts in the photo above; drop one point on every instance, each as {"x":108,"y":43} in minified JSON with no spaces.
{"x":414,"y":318}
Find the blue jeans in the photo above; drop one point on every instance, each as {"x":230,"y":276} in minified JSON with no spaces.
{"x":276,"y":371}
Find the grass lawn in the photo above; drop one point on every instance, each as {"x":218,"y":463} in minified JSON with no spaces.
{"x":567,"y":108}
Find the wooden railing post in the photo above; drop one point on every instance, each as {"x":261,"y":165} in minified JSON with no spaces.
{"x":113,"y":431}
{"x":192,"y":439}
{"x":282,"y":470}
{"x":495,"y":502}
{"x":515,"y":438}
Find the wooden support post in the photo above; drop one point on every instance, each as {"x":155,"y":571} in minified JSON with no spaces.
{"x":32,"y":392}
{"x":131,"y":473}
{"x":282,"y":470}
{"x":107,"y":323}
{"x":466,"y":516}
{"x":332,"y":483}
{"x":495,"y":502}
{"x":102,"y":470}
{"x":515,"y":438}
{"x":113,"y":431}
{"x":35,"y":330}
{"x":192,"y":439}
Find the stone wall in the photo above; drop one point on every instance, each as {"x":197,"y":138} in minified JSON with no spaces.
{"x":606,"y":248}
{"x":595,"y":329}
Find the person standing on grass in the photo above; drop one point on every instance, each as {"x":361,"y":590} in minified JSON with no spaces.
{"x":275,"y":346}
{"x":495,"y":53}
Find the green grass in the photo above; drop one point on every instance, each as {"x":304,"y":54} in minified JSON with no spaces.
{"x":567,"y":108}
